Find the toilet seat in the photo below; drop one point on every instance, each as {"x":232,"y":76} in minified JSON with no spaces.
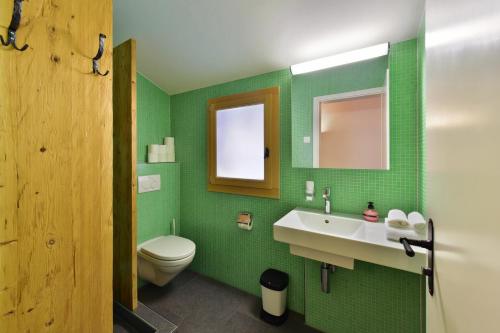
{"x":166,"y":264}
{"x":164,"y":249}
{"x":160,"y":259}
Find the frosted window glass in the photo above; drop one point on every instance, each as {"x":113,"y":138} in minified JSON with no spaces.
{"x":240,"y":142}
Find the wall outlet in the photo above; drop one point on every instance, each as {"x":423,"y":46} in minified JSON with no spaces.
{"x":307,"y":139}
{"x":149,"y":183}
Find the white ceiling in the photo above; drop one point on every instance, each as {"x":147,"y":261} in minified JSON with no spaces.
{"x":188,"y":44}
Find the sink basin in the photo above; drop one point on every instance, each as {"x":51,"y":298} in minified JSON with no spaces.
{"x":339,"y":239}
{"x":321,"y":223}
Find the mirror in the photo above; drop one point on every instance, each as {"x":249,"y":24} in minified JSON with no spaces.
{"x":340,"y":117}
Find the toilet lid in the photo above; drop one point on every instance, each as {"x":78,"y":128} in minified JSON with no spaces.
{"x":169,"y":248}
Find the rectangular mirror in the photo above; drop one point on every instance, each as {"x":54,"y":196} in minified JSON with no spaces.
{"x":350,"y":130}
{"x":340,"y":117}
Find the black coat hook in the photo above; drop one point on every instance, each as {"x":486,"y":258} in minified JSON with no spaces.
{"x":14,"y":25}
{"x":95,"y":64}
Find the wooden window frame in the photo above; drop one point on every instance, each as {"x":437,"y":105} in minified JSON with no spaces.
{"x":270,"y":186}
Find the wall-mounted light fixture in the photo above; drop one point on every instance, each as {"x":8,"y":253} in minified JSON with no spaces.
{"x":341,"y":59}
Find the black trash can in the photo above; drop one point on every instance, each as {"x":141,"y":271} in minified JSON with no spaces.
{"x":274,"y":285}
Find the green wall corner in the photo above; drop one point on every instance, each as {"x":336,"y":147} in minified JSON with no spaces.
{"x":153,"y":116}
{"x":156,"y":210}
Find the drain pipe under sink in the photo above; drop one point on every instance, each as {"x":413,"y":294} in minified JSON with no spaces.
{"x":326,"y":269}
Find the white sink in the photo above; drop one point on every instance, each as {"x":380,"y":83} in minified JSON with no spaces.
{"x":338,"y":239}
{"x":326,"y":224}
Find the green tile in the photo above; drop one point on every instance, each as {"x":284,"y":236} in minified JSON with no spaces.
{"x":368,"y":299}
{"x":153,"y":116}
{"x":421,"y":117}
{"x":156,"y":210}
{"x":238,"y":257}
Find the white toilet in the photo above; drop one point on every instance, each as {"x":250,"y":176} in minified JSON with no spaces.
{"x":160,"y":259}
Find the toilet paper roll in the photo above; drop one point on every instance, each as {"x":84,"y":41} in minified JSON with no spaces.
{"x":162,"y":153}
{"x":153,"y":153}
{"x":170,"y":143}
{"x":245,"y":226}
{"x":153,"y":148}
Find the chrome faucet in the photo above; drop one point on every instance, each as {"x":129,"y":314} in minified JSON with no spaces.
{"x":326,"y":196}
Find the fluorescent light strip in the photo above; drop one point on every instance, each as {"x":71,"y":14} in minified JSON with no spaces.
{"x":341,"y":59}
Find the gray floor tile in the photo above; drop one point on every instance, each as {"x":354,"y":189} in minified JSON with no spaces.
{"x":197,"y":304}
{"x":241,"y":323}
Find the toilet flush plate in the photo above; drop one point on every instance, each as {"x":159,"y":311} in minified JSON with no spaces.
{"x":149,"y":183}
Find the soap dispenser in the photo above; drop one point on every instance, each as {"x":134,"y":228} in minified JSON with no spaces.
{"x":370,"y":214}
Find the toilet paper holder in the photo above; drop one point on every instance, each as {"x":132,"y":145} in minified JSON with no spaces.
{"x":245,"y":221}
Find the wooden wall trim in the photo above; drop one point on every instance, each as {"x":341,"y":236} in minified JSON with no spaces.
{"x":125,"y":174}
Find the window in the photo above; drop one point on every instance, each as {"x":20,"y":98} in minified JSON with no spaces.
{"x":243,"y":139}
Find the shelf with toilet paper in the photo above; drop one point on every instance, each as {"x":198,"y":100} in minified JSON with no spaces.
{"x":164,"y":153}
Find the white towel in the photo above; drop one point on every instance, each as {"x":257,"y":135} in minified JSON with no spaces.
{"x":417,"y":222}
{"x":397,"y":219}
{"x":396,"y":233}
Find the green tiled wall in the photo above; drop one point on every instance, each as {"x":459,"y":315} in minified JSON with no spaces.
{"x":368,"y":299}
{"x":238,"y":257}
{"x":155,"y":210}
{"x":421,"y":112}
{"x":363,"y":75}
{"x":372,"y":298}
{"x":224,"y":251}
{"x":153,"y":116}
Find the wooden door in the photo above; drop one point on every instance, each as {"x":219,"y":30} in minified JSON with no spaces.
{"x":56,"y":170}
{"x":463,"y":135}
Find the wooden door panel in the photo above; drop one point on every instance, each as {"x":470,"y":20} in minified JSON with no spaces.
{"x":92,"y":182}
{"x":57,"y":130}
{"x":8,"y":189}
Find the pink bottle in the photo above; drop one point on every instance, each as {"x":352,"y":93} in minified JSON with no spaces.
{"x":370,"y":214}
